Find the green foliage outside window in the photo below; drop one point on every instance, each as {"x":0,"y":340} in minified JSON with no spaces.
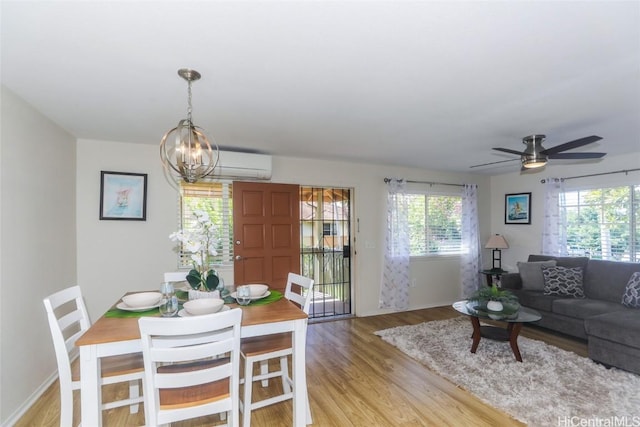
{"x":434,"y":224}
{"x":603,"y":223}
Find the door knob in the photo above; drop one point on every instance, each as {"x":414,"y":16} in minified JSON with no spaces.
{"x":238,"y":258}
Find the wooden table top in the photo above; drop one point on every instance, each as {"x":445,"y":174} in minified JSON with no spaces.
{"x":106,"y":330}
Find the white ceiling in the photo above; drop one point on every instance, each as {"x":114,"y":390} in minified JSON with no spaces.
{"x":424,"y":83}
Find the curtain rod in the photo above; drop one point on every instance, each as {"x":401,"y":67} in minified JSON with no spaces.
{"x":387,"y":180}
{"x":625,"y":171}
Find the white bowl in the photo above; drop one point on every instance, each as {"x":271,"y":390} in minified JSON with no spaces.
{"x":257,"y":290}
{"x":203,"y":306}
{"x":142,"y":299}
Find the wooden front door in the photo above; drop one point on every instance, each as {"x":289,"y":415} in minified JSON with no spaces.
{"x":266,"y":233}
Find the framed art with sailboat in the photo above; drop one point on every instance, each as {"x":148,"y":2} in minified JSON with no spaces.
{"x":517,"y":208}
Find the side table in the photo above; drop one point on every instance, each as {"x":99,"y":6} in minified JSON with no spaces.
{"x":490,"y":274}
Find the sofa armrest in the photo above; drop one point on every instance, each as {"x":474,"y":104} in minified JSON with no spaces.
{"x":511,"y":281}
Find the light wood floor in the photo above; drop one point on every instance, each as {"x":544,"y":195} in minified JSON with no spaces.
{"x":354,"y":379}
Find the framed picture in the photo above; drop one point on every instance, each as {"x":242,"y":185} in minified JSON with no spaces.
{"x":517,"y":208}
{"x":123,"y":196}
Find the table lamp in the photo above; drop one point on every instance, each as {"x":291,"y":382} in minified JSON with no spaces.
{"x":496,"y":243}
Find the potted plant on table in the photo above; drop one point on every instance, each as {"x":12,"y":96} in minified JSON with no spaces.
{"x":201,"y":241}
{"x":495,"y":302}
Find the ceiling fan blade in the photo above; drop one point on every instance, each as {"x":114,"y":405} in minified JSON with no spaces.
{"x":577,"y":155}
{"x":506,"y":150}
{"x":493,"y":163}
{"x":571,"y":144}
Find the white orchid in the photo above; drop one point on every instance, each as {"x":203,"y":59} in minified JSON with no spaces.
{"x":201,"y":242}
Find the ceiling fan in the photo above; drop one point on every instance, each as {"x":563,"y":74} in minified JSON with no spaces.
{"x":536,"y":156}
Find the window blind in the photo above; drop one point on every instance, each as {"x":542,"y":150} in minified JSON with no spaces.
{"x":435,"y":224}
{"x":216,"y":199}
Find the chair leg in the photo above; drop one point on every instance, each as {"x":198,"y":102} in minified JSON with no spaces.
{"x":66,"y":408}
{"x":309,"y":419}
{"x":264,"y":369}
{"x":134,"y":391}
{"x":248,"y":385}
{"x":284,"y":373}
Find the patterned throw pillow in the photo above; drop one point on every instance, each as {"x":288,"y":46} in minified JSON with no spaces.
{"x":631,"y":296}
{"x":563,"y":281}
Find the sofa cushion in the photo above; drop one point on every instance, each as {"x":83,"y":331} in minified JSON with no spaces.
{"x":621,"y":326}
{"x":531,"y":274}
{"x":534,"y":299}
{"x":581,"y":308}
{"x":606,"y":280}
{"x":563,"y":281}
{"x":631,"y":296}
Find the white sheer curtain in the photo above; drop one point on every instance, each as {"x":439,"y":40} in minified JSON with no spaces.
{"x":471,"y":260}
{"x":554,"y":237}
{"x":394,"y":289}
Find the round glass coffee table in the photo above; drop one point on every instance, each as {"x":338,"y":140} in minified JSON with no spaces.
{"x":510,"y":333}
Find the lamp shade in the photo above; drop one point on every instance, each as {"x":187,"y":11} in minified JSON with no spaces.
{"x":496,"y":242}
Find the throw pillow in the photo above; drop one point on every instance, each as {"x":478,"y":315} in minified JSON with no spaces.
{"x":563,"y":281}
{"x":531,"y":274}
{"x":631,"y":296}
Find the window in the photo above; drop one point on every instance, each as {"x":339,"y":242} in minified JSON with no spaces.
{"x":216,"y":199}
{"x":603,"y":223}
{"x":328,"y":229}
{"x":434,"y":224}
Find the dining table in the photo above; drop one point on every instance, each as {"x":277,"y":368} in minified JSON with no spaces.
{"x":110,"y":336}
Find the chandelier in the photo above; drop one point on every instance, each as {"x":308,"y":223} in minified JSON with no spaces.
{"x":185,"y":151}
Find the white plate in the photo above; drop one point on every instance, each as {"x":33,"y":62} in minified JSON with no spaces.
{"x":123,"y":306}
{"x":234,"y":295}
{"x":185,"y":313}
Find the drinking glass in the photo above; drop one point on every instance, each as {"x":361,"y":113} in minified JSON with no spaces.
{"x":169,"y":302}
{"x":243,"y":295}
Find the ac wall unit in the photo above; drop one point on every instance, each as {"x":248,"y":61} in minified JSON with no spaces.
{"x":242,"y":166}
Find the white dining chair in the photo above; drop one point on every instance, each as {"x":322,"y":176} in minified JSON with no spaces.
{"x":68,"y":320}
{"x":192,"y":367}
{"x":264,"y":348}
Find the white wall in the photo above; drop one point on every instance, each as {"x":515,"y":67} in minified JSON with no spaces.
{"x":116,"y":256}
{"x":38,"y":244}
{"x":527,"y":239}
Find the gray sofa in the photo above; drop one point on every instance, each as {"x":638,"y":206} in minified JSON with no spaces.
{"x":611,"y":329}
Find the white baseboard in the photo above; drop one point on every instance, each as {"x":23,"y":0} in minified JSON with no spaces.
{"x":22,"y":409}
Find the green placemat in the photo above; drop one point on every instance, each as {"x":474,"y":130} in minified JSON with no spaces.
{"x":273,"y":297}
{"x":122,"y":314}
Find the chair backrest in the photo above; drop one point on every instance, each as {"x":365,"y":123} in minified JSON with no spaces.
{"x":175,"y":276}
{"x":68,"y":320}
{"x":303,"y":299}
{"x":192,"y":366}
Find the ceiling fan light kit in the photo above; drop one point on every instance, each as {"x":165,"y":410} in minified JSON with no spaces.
{"x":532,"y":157}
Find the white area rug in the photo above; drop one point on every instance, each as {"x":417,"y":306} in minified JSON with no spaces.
{"x":551,"y":387}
